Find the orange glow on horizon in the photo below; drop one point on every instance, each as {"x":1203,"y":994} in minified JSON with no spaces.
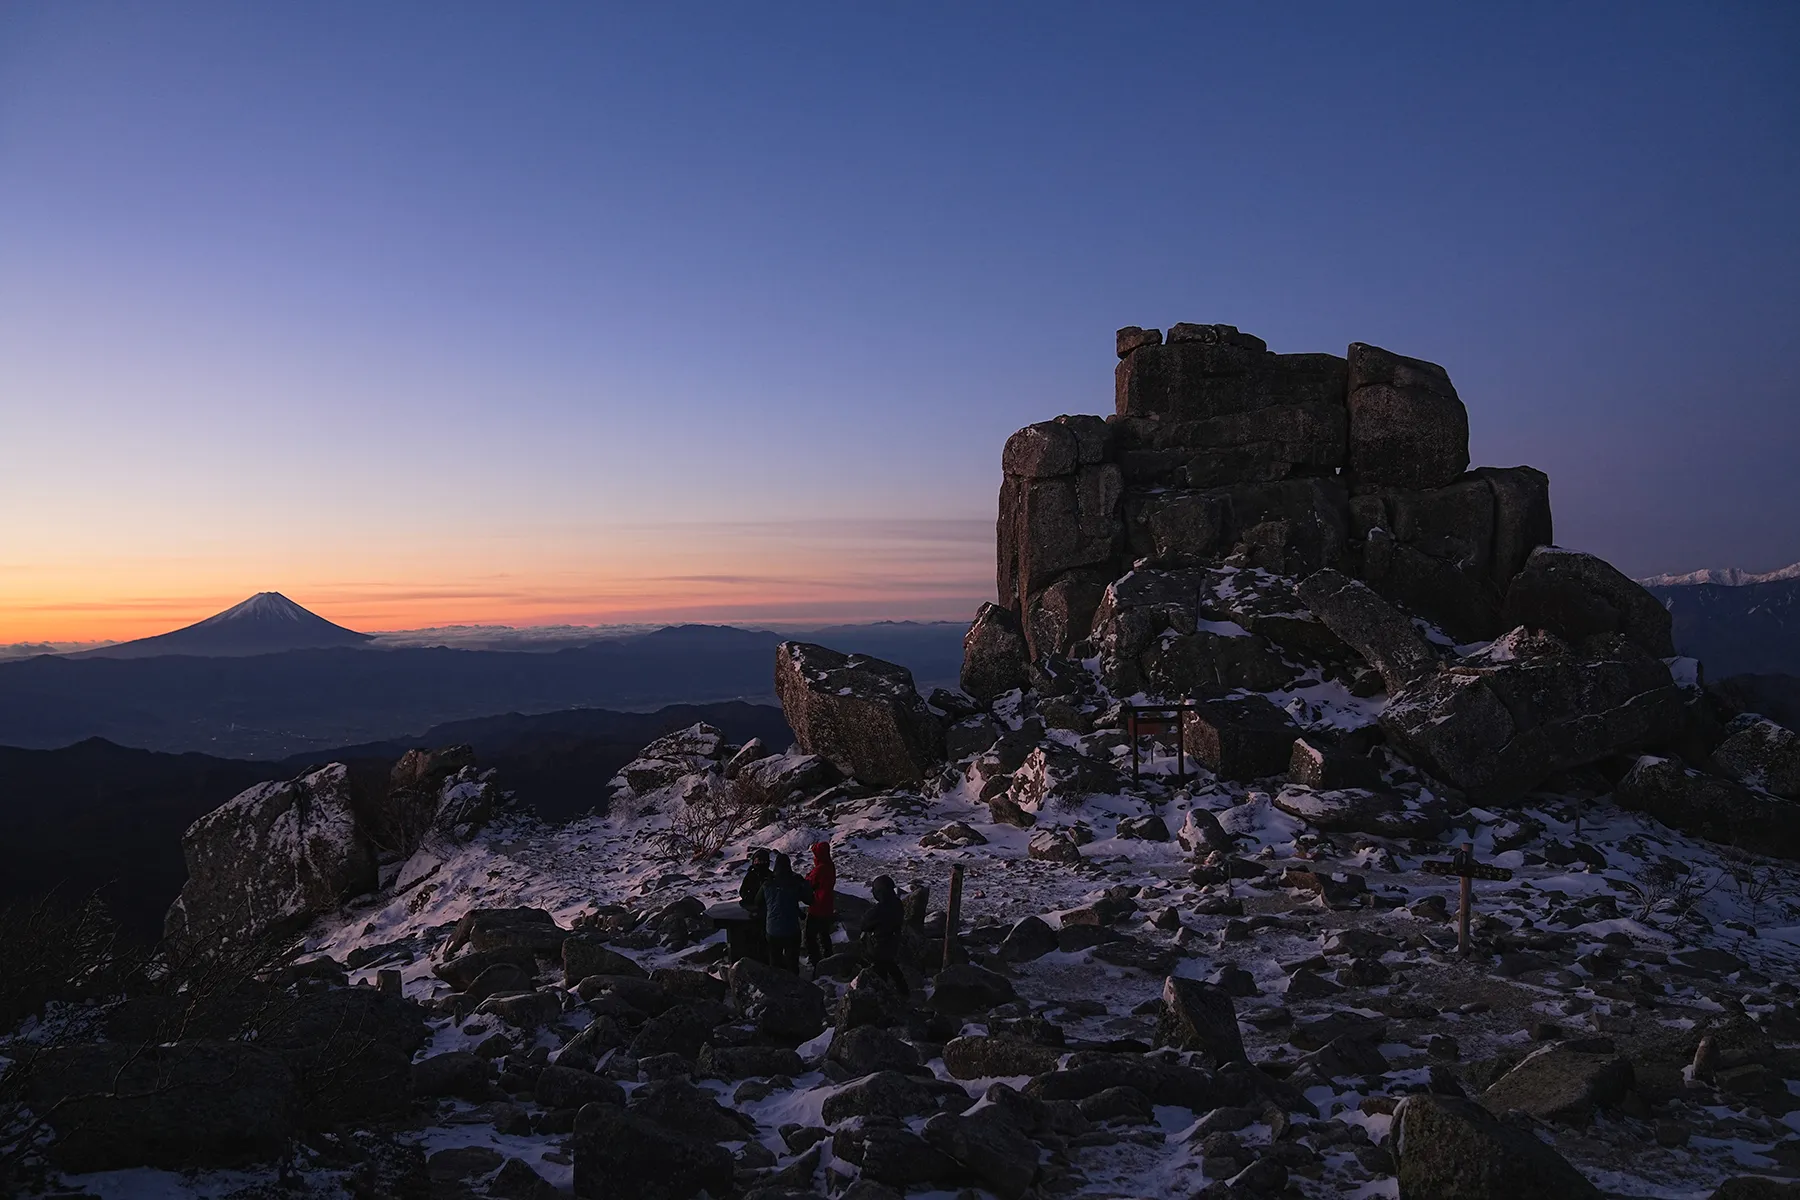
{"x":726,"y":575}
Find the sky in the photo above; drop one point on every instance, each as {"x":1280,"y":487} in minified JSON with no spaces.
{"x":449,"y":313}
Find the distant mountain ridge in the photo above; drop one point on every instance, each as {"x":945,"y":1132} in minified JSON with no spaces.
{"x":266,"y":623}
{"x":1723,"y":576}
{"x":275,"y":706}
{"x":1735,"y":622}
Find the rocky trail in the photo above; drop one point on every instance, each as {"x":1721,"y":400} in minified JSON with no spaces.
{"x":1241,"y":981}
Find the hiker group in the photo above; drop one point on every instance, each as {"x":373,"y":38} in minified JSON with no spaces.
{"x":792,"y":913}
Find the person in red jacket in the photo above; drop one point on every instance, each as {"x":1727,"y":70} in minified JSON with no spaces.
{"x":821,"y":914}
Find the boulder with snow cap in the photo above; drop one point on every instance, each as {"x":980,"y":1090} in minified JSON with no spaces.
{"x":1563,"y":1082}
{"x":270,"y":860}
{"x":1499,"y":726}
{"x":1576,"y":596}
{"x":1758,"y":753}
{"x":532,"y":929}
{"x":397,"y":820}
{"x":1384,"y":812}
{"x":751,"y":751}
{"x":862,"y":714}
{"x":1710,"y":807}
{"x":779,"y":778}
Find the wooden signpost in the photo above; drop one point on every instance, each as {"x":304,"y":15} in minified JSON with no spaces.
{"x":953,"y":915}
{"x":1463,"y":864}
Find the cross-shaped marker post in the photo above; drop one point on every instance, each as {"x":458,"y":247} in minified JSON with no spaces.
{"x":1464,"y":864}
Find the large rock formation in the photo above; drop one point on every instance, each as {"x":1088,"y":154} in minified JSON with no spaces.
{"x":861,"y":714}
{"x":1220,"y":452}
{"x":1246,"y":521}
{"x":271,"y":859}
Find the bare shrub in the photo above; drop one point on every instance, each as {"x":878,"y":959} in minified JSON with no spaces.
{"x":712,"y":814}
{"x":1671,"y":890}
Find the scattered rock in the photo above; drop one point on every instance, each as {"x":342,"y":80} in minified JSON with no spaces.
{"x":620,"y":1155}
{"x":784,"y":1007}
{"x":963,"y":989}
{"x":1053,"y":845}
{"x":990,"y":1146}
{"x":1372,"y":627}
{"x":867,"y":1049}
{"x":1451,"y":1149}
{"x":583,"y":956}
{"x":991,"y":1057}
{"x":1200,"y":1016}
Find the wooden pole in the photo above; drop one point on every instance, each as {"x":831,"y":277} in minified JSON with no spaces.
{"x":1131,"y":723}
{"x":953,"y":915}
{"x":1181,"y":745}
{"x":1462,"y":915}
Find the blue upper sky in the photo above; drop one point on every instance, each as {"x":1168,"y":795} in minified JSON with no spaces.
{"x":484,"y":312}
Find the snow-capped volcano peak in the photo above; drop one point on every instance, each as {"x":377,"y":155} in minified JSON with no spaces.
{"x":266,"y":623}
{"x":262,"y":607}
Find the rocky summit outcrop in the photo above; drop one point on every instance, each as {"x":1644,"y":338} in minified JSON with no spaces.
{"x":1249,"y":522}
{"x":862,"y":714}
{"x":271,"y":859}
{"x":1221,"y":452}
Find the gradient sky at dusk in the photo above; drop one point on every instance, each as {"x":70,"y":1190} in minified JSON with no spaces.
{"x":427,"y":313}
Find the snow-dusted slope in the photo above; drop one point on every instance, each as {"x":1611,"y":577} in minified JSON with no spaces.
{"x":1599,"y":951}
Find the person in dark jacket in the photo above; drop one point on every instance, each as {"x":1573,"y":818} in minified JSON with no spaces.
{"x":750,"y":896}
{"x":821,"y":913}
{"x":782,"y":896}
{"x":881,"y":932}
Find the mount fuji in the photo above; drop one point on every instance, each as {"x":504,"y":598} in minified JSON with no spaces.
{"x":266,"y":623}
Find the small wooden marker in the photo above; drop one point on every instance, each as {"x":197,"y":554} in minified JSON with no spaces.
{"x":1464,"y":865}
{"x":953,"y":915}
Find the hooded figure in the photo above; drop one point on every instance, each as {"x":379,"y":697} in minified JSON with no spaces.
{"x":755,"y":945}
{"x":881,"y":932}
{"x":821,"y":915}
{"x":782,"y":896}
